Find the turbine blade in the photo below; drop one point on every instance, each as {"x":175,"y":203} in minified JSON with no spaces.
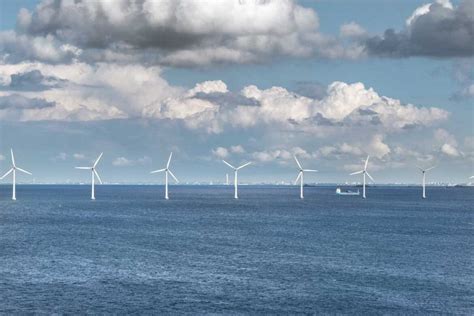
{"x":310,"y":170}
{"x":13,"y":157}
{"x":228,"y":164}
{"x":297,"y":162}
{"x":169,"y":160}
{"x":421,"y":169}
{"x":97,"y":161}
{"x":97,"y":175}
{"x":366,"y":163}
{"x":6,"y":174}
{"x":430,"y":168}
{"x":84,"y":168}
{"x":244,"y":165}
{"x":357,"y":172}
{"x":298,"y":177}
{"x":370,"y":176}
{"x":160,"y":170}
{"x":175,"y":179}
{"x":24,"y":171}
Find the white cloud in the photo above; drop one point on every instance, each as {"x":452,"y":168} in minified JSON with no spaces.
{"x":352,"y":30}
{"x":60,"y":157}
{"x":377,"y":147}
{"x":220,"y":152}
{"x":425,"y":9}
{"x":79,"y":156}
{"x":447,"y":142}
{"x":450,"y":150}
{"x":122,"y":162}
{"x":238,"y":149}
{"x":108,"y":91}
{"x":176,"y":32}
{"x":208,"y":87}
{"x":2,"y":157}
{"x":281,"y":155}
{"x":125,"y":162}
{"x":271,"y":155}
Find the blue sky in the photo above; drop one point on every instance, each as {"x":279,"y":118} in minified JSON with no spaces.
{"x":318,"y":79}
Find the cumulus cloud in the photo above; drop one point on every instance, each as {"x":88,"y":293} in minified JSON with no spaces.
{"x":344,"y":104}
{"x":447,"y":142}
{"x":463,"y":74}
{"x":79,"y":156}
{"x":125,"y":162}
{"x":352,"y":30}
{"x":450,"y":150}
{"x":175,"y":32}
{"x":375,"y":147}
{"x":29,"y":81}
{"x":109,"y":91}
{"x":437,"y":29}
{"x":12,"y":106}
{"x":238,"y":149}
{"x":220,"y":152}
{"x":281,"y":155}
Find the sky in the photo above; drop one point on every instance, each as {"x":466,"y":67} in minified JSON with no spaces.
{"x":242,"y":80}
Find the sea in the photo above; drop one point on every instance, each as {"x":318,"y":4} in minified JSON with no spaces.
{"x":202,"y":252}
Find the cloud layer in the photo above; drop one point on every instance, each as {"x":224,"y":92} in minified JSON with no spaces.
{"x":173,"y":32}
{"x":108,"y":91}
{"x":437,"y":29}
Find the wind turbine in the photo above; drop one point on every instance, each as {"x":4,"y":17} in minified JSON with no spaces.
{"x":13,"y":169}
{"x":236,"y":195}
{"x":424,"y":171}
{"x":94,"y":174}
{"x":364,"y":172}
{"x":167,"y":170}
{"x":301,"y":175}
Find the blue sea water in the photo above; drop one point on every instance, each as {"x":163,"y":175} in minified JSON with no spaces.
{"x":201,"y":252}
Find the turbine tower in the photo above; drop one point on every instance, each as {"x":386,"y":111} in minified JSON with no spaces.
{"x":423,"y":183}
{"x":167,"y":171}
{"x":226,"y":179}
{"x":94,"y":174}
{"x":13,"y":169}
{"x":364,"y":172}
{"x":236,"y":194}
{"x":301,"y":175}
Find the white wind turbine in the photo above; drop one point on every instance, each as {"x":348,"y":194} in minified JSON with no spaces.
{"x":424,"y":171}
{"x":226,"y":179}
{"x":236,"y":195}
{"x":13,"y":169}
{"x":364,"y":172}
{"x":94,"y":174}
{"x":167,"y":170}
{"x":301,"y":175}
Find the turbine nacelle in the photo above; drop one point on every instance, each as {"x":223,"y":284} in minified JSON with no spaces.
{"x":426,"y":170}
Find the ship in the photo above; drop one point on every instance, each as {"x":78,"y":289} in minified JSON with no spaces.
{"x":348,"y":192}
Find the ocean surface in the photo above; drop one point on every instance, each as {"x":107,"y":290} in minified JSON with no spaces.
{"x":202,"y":252}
